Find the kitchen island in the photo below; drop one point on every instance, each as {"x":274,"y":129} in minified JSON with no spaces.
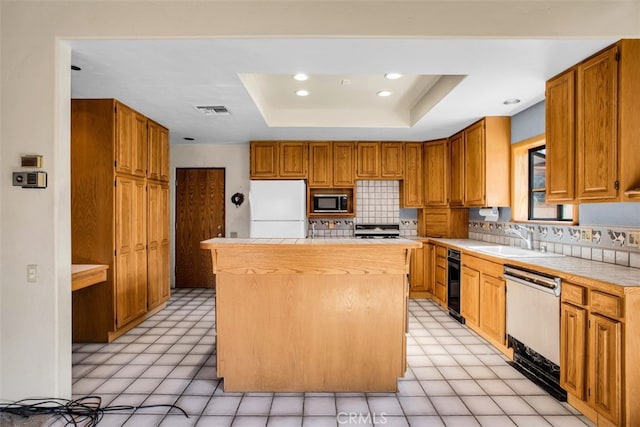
{"x":323,"y":315}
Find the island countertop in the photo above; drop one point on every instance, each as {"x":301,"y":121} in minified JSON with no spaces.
{"x":227,"y":242}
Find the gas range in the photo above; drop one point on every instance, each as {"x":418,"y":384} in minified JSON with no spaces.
{"x":377,"y":231}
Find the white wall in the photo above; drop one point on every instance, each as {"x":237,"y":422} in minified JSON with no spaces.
{"x":35,"y":319}
{"x":235,"y":159}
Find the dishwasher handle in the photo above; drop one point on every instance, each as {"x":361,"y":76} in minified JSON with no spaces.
{"x":550,"y":285}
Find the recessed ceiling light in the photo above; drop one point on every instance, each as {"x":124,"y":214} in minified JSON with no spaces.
{"x":75,"y":68}
{"x":384,"y":93}
{"x":392,"y":76}
{"x":188,"y":138}
{"x":300,"y":77}
{"x":511,"y":101}
{"x":302,"y":92}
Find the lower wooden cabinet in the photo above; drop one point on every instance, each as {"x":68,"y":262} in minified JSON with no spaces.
{"x":417,"y":282}
{"x":594,"y":352}
{"x":483,"y":302}
{"x":440,"y":282}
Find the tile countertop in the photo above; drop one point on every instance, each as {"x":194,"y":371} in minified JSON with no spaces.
{"x":339,"y":241}
{"x":576,"y":270}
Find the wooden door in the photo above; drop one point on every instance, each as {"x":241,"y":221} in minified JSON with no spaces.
{"x":344,"y":164}
{"x":158,"y":244}
{"x":560,"y":138}
{"x":493,"y":316}
{"x":605,"y":363}
{"x":200,"y":205}
{"x":411,"y":187}
{"x":131,"y":254}
{"x":320,"y":164}
{"x":368,"y":159}
{"x":436,"y":184}
{"x":573,"y":349}
{"x":264,"y":159}
{"x":474,"y":165}
{"x":391,"y":160}
{"x":597,"y":131}
{"x":470,"y":295}
{"x":456,"y":193}
{"x":293,"y":159}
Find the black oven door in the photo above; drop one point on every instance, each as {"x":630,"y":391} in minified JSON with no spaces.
{"x":453,"y":285}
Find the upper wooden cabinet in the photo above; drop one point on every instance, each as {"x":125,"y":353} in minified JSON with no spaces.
{"x":456,"y":150}
{"x":158,"y":146}
{"x":379,"y":160}
{"x":592,"y":128}
{"x":344,"y":163}
{"x":436,"y":178}
{"x":278,"y":160}
{"x":293,"y":159}
{"x":332,"y":164}
{"x":560,"y":138}
{"x":411,"y":187}
{"x":131,"y":145}
{"x":486,"y":162}
{"x":368,"y":160}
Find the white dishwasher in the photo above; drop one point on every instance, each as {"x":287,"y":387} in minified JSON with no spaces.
{"x":533,"y":326}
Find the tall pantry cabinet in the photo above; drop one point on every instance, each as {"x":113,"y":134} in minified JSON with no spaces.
{"x":119,"y":216}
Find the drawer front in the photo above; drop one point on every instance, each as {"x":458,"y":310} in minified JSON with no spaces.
{"x":575,"y":294}
{"x":441,"y":251}
{"x":608,"y":305}
{"x":441,"y":262}
{"x":486,"y":267}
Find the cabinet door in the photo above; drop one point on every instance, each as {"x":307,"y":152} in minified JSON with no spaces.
{"x":456,"y":145}
{"x":125,"y":128}
{"x":416,"y":270}
{"x":392,"y":160}
{"x":139,"y":145}
{"x":560,"y":138}
{"x":597,"y":113}
{"x":474,"y":165}
{"x":411,"y":187}
{"x":344,"y":164}
{"x":131,"y":254}
{"x":470,"y":295}
{"x":164,"y":154}
{"x":320,"y":164}
{"x":430,"y":267}
{"x":158,"y":244}
{"x":368,"y":159}
{"x":293,"y":159}
{"x":493,"y":307}
{"x":605,"y":364}
{"x":436,"y":184}
{"x":573,"y":349}
{"x":264,"y":159}
{"x":155,"y":141}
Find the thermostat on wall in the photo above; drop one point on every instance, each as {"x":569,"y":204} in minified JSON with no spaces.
{"x":30,"y":179}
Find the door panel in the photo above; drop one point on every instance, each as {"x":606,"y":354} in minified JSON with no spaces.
{"x":200,"y":205}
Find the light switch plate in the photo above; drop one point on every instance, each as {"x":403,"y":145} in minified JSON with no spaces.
{"x":586,"y":234}
{"x":633,"y":239}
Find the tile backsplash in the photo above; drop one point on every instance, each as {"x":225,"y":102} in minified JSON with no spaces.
{"x":614,"y":245}
{"x":378,"y":202}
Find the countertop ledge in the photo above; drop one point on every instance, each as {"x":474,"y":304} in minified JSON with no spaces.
{"x":566,"y":267}
{"x":229,"y":242}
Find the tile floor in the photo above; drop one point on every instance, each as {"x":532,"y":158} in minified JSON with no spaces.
{"x":454,"y":379}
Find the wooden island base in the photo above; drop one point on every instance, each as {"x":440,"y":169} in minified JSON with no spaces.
{"x":311,"y":315}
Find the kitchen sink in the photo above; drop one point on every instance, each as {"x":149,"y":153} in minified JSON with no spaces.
{"x":512,"y":252}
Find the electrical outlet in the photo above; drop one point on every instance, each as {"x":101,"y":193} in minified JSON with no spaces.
{"x":633,"y":239}
{"x":331,"y":224}
{"x":586,"y":234}
{"x":32,"y":273}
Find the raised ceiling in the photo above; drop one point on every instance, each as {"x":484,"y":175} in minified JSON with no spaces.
{"x":448,"y":84}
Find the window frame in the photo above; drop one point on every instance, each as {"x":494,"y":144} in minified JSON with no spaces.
{"x":520,"y":184}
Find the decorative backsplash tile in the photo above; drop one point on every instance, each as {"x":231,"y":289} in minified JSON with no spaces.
{"x":614,"y":245}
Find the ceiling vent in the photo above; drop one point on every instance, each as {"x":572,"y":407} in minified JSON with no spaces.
{"x":212,"y":110}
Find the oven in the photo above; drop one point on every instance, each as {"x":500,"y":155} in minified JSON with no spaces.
{"x":453,"y":284}
{"x":533,"y":326}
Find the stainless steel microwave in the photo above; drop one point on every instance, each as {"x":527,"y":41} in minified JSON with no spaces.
{"x":330,"y":203}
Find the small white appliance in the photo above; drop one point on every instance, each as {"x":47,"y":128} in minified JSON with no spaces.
{"x":278,"y":209}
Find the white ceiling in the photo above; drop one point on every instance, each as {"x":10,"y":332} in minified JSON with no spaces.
{"x":165,"y":79}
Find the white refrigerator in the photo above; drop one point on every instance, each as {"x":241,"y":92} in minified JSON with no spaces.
{"x":278,"y":209}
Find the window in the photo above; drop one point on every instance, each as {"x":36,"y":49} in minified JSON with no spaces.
{"x":528,"y":174}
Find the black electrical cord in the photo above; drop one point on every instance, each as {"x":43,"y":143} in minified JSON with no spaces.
{"x":85,"y":411}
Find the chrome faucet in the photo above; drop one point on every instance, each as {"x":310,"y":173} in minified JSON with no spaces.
{"x":518,"y":232}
